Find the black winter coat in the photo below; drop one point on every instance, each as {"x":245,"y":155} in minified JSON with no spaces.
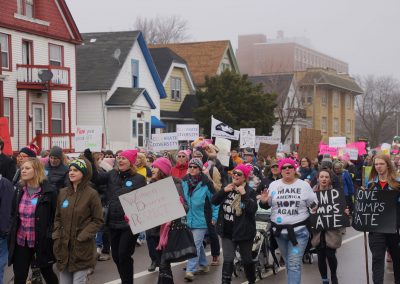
{"x":265,"y":182}
{"x":118,"y":183}
{"x":7,"y":167}
{"x":57,"y":176}
{"x":244,"y":226}
{"x":45,"y":212}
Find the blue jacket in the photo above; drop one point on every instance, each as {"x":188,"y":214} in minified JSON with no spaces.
{"x":347,"y":184}
{"x":200,"y":210}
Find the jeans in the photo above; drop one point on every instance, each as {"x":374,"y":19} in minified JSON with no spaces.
{"x":103,"y":240}
{"x":293,"y":255}
{"x":3,"y":256}
{"x":142,"y":236}
{"x":77,"y":277}
{"x":200,"y":259}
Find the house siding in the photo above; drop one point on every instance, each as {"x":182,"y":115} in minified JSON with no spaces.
{"x":168,"y":104}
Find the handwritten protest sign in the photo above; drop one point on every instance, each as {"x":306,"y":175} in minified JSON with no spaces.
{"x":164,"y":141}
{"x":247,"y":137}
{"x":309,"y":142}
{"x":187,"y":132}
{"x":337,"y":142}
{"x":325,"y":149}
{"x":88,"y":137}
{"x":267,"y":140}
{"x":266,"y":150}
{"x":330,"y":212}
{"x":224,"y":146}
{"x":152,"y":205}
{"x":358,"y":145}
{"x":375,"y":211}
{"x":5,"y":136}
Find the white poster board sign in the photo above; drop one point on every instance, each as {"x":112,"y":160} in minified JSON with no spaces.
{"x":385,"y":147}
{"x":353,"y":153}
{"x":222,"y":130}
{"x":337,"y":142}
{"x":164,"y":141}
{"x":247,"y":137}
{"x":187,"y":132}
{"x":267,"y":140}
{"x":152,"y":205}
{"x":88,"y":137}
{"x":224,"y":146}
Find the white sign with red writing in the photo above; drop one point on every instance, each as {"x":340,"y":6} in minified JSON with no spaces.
{"x":88,"y":137}
{"x":152,"y":205}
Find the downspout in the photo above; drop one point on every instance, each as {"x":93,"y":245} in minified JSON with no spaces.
{"x":103,"y":106}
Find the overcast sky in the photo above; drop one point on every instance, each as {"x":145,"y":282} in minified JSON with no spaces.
{"x":364,"y":33}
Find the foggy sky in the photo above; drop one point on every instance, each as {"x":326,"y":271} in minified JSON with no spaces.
{"x":363,"y":33}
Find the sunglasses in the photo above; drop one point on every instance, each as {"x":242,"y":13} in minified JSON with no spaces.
{"x":274,"y":167}
{"x":287,"y":167}
{"x":183,"y":156}
{"x":193,"y":167}
{"x":239,"y":174}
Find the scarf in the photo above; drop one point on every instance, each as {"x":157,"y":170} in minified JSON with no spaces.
{"x":193,"y":181}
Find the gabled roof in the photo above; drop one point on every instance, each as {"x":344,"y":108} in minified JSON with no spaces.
{"x":185,"y":111}
{"x":274,"y":84}
{"x":327,"y":77}
{"x":163,"y":58}
{"x":101,"y":57}
{"x":203,"y":58}
{"x":127,"y":96}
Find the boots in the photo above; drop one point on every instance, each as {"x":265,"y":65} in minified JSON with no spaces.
{"x":250,"y":271}
{"x":227,"y":270}
{"x":334,"y":279}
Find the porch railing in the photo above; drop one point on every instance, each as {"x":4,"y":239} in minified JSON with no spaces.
{"x":30,"y":74}
{"x":63,"y":140}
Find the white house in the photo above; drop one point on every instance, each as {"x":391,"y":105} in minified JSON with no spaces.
{"x":118,"y":88}
{"x":37,"y":84}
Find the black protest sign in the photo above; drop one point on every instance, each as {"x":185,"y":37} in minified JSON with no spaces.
{"x":375,"y":211}
{"x":330,"y":213}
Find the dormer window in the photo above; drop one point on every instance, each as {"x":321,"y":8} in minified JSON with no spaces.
{"x":26,"y":8}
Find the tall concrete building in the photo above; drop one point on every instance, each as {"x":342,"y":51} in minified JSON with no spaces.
{"x":257,"y":56}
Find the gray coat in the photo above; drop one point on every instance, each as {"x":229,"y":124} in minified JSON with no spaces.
{"x":333,"y":238}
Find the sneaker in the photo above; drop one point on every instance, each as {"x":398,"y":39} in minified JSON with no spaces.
{"x":98,"y":252}
{"x":388,"y":257}
{"x":90,"y":271}
{"x":138,"y":243}
{"x":215,"y":261}
{"x":153,"y":266}
{"x":202,"y":269}
{"x":104,"y":257}
{"x":189,"y":276}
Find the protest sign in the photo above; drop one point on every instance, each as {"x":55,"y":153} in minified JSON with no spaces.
{"x":267,"y":140}
{"x":222,"y":130}
{"x":325,"y":149}
{"x":375,"y":211}
{"x":266,"y":150}
{"x":385,"y":147}
{"x":5,"y":136}
{"x":224,"y":146}
{"x":152,"y":205}
{"x":330,"y":213}
{"x":309,"y":142}
{"x":353,"y":153}
{"x":164,"y":141}
{"x":187,"y":132}
{"x":365,"y":175}
{"x":88,"y":137}
{"x":358,"y":145}
{"x":247,"y":137}
{"x":337,"y":142}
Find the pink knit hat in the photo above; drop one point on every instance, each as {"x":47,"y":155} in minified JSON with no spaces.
{"x":130,"y":155}
{"x":245,"y":169}
{"x":163,"y":164}
{"x":287,"y":161}
{"x":185,"y":152}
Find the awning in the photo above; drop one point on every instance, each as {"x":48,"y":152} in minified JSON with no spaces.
{"x":156,"y":123}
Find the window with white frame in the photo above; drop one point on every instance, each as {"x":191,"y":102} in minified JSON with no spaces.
{"x":324,"y":124}
{"x":55,"y":54}
{"x":324,"y":98}
{"x":175,"y":89}
{"x":348,"y":126}
{"x":57,"y":118}
{"x":8,"y":113}
{"x":336,"y":99}
{"x":26,"y":7}
{"x":5,"y":52}
{"x":348,"y":101}
{"x":335,"y":125}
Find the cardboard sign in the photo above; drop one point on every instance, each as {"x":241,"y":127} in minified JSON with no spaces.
{"x":224,"y":146}
{"x":375,"y":211}
{"x":187,"y":132}
{"x":337,"y":142}
{"x":152,"y":205}
{"x":88,"y":137}
{"x":266,"y":150}
{"x":164,"y":141}
{"x":247,"y":137}
{"x":5,"y":136}
{"x":330,"y":213}
{"x":309,"y":143}
{"x":267,"y":140}
{"x":222,"y":130}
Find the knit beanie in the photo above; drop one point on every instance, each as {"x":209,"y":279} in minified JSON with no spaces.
{"x":197,"y":162}
{"x":326,"y":163}
{"x":80,"y":165}
{"x":130,"y":155}
{"x":245,"y":169}
{"x":29,"y":150}
{"x":287,"y":161}
{"x":163,"y":164}
{"x":56,"y":152}
{"x":185,"y":152}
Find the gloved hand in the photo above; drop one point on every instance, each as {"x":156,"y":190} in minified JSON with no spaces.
{"x":88,"y":155}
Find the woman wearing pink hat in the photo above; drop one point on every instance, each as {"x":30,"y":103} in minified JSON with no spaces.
{"x":182,"y":164}
{"x":236,"y":222}
{"x":289,"y":199}
{"x":119,"y":181}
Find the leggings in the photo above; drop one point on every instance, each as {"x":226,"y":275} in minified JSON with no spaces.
{"x":330,"y":255}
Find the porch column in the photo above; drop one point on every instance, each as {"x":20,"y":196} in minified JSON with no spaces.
{"x":69,"y":119}
{"x":50,"y":115}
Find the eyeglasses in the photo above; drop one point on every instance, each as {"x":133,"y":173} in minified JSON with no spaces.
{"x":183,"y":156}
{"x":274,"y":167}
{"x":23,"y":156}
{"x":287,"y":167}
{"x":193,"y":167}
{"x":239,"y":174}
